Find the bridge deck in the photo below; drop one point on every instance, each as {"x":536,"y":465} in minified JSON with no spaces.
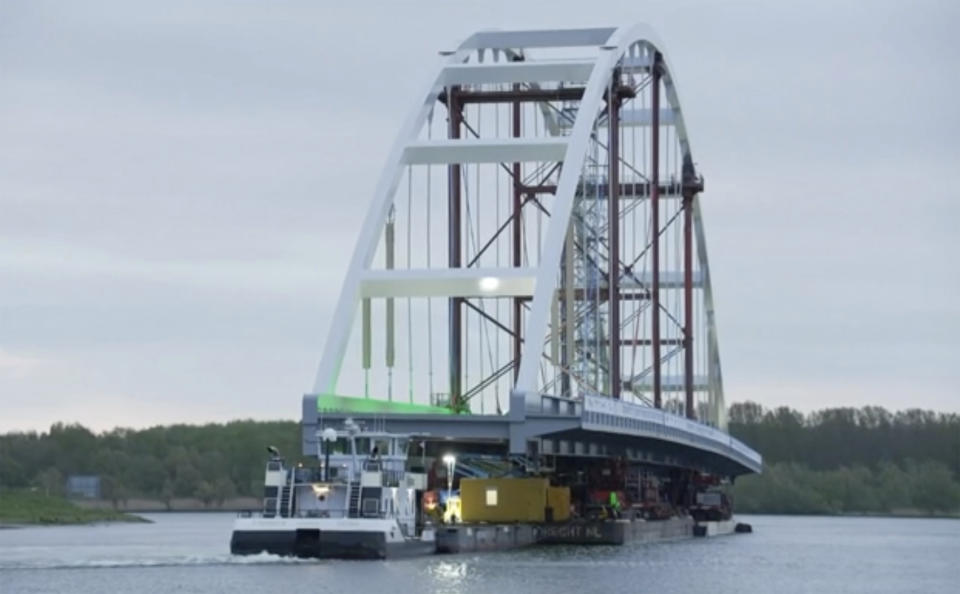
{"x":595,"y":426}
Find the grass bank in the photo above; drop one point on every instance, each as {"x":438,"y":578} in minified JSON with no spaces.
{"x":23,"y":507}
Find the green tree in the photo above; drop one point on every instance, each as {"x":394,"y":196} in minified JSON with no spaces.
{"x":167,"y":494}
{"x":115,"y":491}
{"x":187,"y":481}
{"x":893,"y":487}
{"x":206,"y":493}
{"x":839,"y":460}
{"x":934,"y":489}
{"x":51,"y":481}
{"x":223,"y":489}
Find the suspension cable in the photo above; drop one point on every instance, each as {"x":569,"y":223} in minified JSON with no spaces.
{"x":409,"y":300}
{"x":497,"y":302}
{"x":429,"y":234}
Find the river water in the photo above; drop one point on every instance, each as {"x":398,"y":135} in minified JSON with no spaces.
{"x":189,"y":553}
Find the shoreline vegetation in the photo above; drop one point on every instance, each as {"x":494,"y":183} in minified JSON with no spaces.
{"x":917,"y":490}
{"x":849,"y":461}
{"x":904,"y":513}
{"x":840,"y":461}
{"x":19,"y":508}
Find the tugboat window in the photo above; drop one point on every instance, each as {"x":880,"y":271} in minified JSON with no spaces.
{"x":269,"y":507}
{"x":371,"y":506}
{"x":363,"y":445}
{"x":340,"y":446}
{"x":492,"y":496}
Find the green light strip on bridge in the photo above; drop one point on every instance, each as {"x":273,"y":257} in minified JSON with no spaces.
{"x":350,"y":404}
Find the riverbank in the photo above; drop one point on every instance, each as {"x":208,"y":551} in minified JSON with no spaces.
{"x":907,"y":514}
{"x":30,"y":508}
{"x":925,"y":489}
{"x":175,"y":504}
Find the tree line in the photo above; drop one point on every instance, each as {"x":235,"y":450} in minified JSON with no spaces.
{"x":211,"y":462}
{"x":834,"y":460}
{"x":849,"y":460}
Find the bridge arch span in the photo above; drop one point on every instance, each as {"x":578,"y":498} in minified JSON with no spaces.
{"x":535,"y":232}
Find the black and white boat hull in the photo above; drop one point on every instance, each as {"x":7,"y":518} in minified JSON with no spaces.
{"x":325,"y":538}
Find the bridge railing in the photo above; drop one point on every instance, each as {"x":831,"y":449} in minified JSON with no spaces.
{"x":558,"y":405}
{"x":609,"y":414}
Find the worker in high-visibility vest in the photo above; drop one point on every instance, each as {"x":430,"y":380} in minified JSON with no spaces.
{"x":614,"y":505}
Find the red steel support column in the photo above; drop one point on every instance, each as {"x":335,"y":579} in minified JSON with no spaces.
{"x":655,"y":217}
{"x":688,"y":302}
{"x":454,"y":251}
{"x":613,"y":224}
{"x":517,"y":242}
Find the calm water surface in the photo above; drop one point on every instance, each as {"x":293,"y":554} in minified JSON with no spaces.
{"x":189,"y":553}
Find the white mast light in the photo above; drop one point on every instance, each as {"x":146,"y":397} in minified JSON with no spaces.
{"x":489,"y":284}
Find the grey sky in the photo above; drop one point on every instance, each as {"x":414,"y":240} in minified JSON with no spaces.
{"x":181,"y":184}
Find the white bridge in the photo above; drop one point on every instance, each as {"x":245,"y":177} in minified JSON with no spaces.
{"x":534,"y":259}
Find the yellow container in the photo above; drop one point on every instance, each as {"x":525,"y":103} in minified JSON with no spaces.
{"x":504,"y":499}
{"x":558,"y":499}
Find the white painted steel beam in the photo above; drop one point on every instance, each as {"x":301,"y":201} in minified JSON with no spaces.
{"x":473,"y":150}
{"x":629,"y":118}
{"x":449,"y":282}
{"x":669,"y":279}
{"x":634,"y":64}
{"x":644,"y":117}
{"x":671,"y":383}
{"x":518,"y":72}
{"x":538,"y":38}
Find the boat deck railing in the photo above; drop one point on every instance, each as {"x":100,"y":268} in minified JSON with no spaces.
{"x":319,"y":513}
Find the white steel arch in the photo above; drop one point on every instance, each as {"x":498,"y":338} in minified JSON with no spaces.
{"x":609,"y":53}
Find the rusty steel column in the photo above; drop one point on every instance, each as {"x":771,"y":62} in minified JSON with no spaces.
{"x":613,"y":224}
{"x":688,"y":302}
{"x":655,"y":217}
{"x":454,"y":251}
{"x":517,"y":241}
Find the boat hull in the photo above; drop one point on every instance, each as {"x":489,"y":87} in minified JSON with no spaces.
{"x":324,"y":539}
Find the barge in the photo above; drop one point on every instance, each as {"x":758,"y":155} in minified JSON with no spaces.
{"x":470,"y":538}
{"x":367,"y":500}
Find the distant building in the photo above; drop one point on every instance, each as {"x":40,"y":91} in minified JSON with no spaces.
{"x":83,"y":486}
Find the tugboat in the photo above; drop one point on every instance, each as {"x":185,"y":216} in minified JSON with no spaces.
{"x":362,"y":503}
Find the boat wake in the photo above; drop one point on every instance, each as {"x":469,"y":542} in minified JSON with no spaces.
{"x":172,"y":561}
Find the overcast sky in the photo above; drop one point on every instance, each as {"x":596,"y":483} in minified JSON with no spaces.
{"x":181,"y":183}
